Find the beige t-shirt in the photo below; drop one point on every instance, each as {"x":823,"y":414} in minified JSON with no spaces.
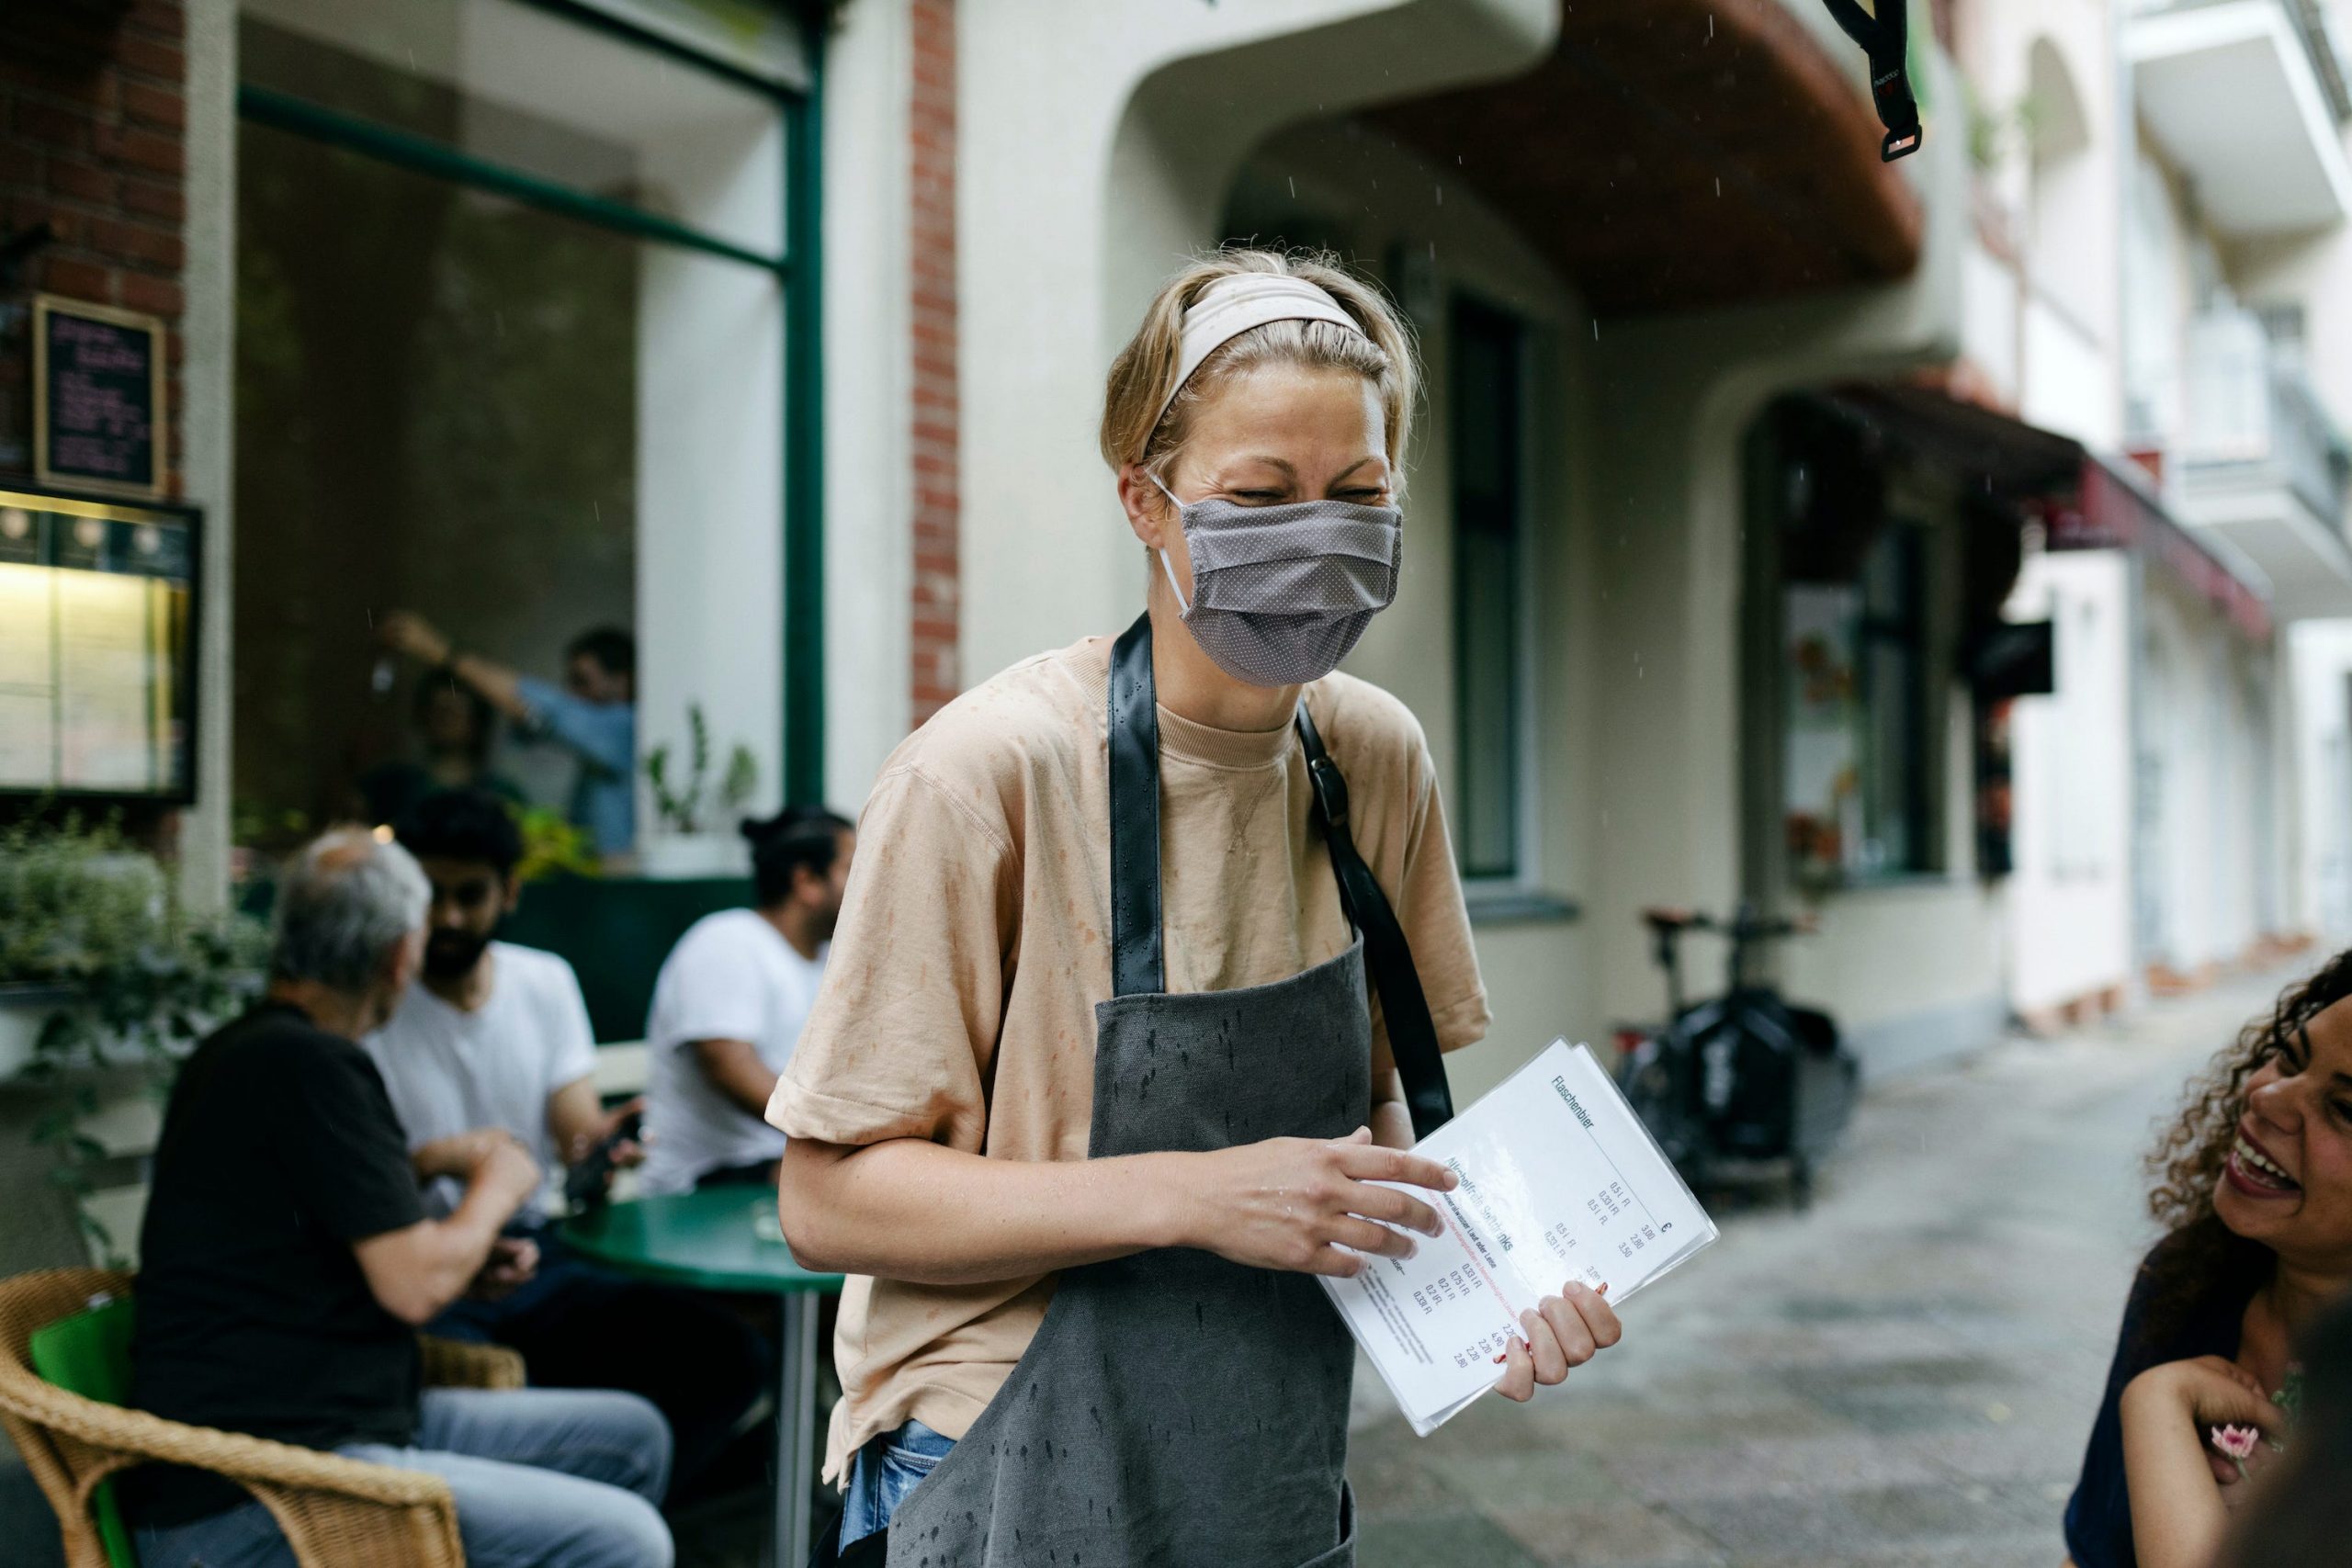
{"x":958,"y":1004}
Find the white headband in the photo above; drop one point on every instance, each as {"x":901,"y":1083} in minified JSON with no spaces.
{"x":1235,"y":304}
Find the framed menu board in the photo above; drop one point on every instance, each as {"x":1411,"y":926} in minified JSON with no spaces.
{"x":98,"y":605}
{"x":99,"y":397}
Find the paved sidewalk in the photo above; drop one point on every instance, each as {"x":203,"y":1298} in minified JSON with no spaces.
{"x":1903,"y":1377}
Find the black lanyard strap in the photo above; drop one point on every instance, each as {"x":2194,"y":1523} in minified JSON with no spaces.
{"x":1886,"y":39}
{"x":1412,"y":1034}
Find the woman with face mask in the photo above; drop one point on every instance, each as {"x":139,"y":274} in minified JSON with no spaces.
{"x":1094,"y":1090}
{"x":2255,"y":1188}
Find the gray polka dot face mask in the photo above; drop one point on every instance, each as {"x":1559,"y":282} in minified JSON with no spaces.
{"x":1281,"y":594}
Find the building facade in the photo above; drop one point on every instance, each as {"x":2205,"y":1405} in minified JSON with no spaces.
{"x":776,"y":336}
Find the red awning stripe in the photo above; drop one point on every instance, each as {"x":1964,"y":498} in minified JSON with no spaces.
{"x":2111,"y":511}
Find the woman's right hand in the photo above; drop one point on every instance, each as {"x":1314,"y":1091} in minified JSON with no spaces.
{"x":1295,"y":1203}
{"x":2214,"y":1391}
{"x":2208,"y":1391}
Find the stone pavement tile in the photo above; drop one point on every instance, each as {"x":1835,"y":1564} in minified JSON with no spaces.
{"x":1848,"y":1461}
{"x":2012,"y":1552}
{"x":1620,"y":1535}
{"x":1858,"y":1372}
{"x":1899,"y":1411}
{"x":1828,"y":1524}
{"x":1439,"y":1541}
{"x":1532,"y":1478}
{"x":2015,"y":1451}
{"x":1812,"y":1343}
{"x":1391,"y":1472}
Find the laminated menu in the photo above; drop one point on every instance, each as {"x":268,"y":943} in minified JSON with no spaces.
{"x":1558,"y":1180}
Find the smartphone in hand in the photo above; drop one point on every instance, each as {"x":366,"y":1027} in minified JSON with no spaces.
{"x":589,"y":1182}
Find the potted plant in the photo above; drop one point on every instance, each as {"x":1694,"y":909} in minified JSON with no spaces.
{"x":684,"y":842}
{"x":105,"y":975}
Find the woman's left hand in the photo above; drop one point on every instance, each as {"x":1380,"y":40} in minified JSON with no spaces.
{"x":1564,"y":1331}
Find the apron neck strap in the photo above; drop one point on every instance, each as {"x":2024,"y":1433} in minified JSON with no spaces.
{"x":1412,"y":1034}
{"x":1137,"y":965}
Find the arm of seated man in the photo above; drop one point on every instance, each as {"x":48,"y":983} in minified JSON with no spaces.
{"x":417,"y":1270}
{"x":577,"y":1121}
{"x":735,"y":1067}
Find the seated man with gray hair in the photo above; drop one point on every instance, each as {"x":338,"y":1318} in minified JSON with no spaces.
{"x":287,"y":1261}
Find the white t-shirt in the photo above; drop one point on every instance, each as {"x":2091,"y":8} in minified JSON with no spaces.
{"x":451,"y":1071}
{"x":731,"y":976}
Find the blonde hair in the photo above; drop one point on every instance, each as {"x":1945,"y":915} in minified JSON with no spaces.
{"x":1134,"y":430}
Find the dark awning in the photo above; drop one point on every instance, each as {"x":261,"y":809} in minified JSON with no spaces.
{"x":1997,"y":453}
{"x":1676,"y":153}
{"x":2084,"y":502}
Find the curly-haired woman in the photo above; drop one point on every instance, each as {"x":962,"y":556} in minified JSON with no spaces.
{"x":2254,"y":1190}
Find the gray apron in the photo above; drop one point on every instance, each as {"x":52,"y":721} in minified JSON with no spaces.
{"x":1175,"y":1408}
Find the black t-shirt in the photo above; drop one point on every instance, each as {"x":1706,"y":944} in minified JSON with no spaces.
{"x":279,"y":1150}
{"x":2098,"y":1517}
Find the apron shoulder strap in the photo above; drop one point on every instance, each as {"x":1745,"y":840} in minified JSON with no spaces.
{"x":1137,"y":964}
{"x":1412,"y":1036}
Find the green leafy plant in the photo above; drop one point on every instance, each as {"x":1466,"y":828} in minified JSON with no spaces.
{"x":679,"y":802}
{"x":680,"y":806}
{"x":743,"y":778}
{"x":553,"y":845}
{"x":92,"y":932}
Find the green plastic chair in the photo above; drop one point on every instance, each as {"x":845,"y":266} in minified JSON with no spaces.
{"x":89,"y":1354}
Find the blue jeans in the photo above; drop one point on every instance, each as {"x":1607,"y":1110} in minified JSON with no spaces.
{"x":883,"y":1472}
{"x":543,"y":1478}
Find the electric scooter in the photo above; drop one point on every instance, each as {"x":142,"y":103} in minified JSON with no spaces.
{"x":1745,"y":1076}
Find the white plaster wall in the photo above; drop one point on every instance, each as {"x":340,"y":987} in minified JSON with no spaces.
{"x":869,"y":479}
{"x":2072,"y":380}
{"x":2320,"y":662}
{"x":2070,"y":897}
{"x":2046,"y":71}
{"x":2205,"y":716}
{"x":207,"y":422}
{"x":1989,"y":338}
{"x":1095,"y":147}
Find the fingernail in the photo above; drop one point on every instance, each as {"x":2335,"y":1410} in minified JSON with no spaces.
{"x":1504,"y":1357}
{"x":1410,"y":1250}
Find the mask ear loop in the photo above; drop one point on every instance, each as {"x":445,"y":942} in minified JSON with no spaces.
{"x":1183,"y":606}
{"x":1886,"y":39}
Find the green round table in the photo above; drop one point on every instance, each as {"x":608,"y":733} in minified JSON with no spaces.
{"x":716,"y":1240}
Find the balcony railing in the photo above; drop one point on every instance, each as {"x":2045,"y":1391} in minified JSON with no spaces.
{"x":2253,"y":419}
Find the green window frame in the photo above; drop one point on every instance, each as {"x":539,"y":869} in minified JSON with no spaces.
{"x":799,"y":270}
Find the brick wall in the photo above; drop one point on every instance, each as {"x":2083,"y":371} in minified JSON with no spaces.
{"x":92,"y":118}
{"x":931,"y":235}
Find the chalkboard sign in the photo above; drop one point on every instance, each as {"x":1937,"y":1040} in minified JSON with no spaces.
{"x":99,"y":414}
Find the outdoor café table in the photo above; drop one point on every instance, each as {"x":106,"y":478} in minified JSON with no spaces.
{"x":714,"y":1240}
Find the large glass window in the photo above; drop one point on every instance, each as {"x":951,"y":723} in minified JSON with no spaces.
{"x":1855,"y":753}
{"x":1893,"y":706}
{"x":1488,"y":419}
{"x":511,"y":343}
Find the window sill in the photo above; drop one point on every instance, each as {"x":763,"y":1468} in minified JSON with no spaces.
{"x":1891,"y":882}
{"x":1519,"y":906}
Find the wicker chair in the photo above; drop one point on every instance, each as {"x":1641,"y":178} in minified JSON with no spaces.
{"x":335,"y":1511}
